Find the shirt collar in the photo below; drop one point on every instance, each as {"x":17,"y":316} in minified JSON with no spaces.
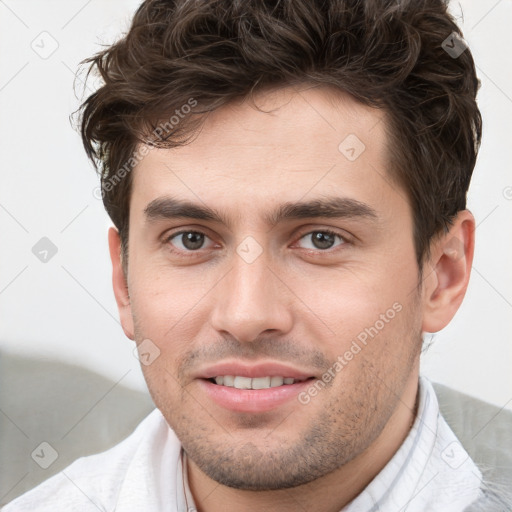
{"x":430,"y":469}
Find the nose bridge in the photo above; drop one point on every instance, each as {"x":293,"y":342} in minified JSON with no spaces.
{"x":250,"y":300}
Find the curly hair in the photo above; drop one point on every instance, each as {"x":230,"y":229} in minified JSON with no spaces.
{"x":186,"y":57}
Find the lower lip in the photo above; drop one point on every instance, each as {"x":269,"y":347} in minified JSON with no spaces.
{"x":252,"y":400}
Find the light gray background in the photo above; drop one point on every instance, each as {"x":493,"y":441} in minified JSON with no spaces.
{"x":64,"y":309}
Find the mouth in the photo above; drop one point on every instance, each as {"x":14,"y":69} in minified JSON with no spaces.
{"x":240,"y":382}
{"x":240,"y":387}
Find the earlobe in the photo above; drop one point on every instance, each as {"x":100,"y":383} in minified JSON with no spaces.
{"x":450,"y":263}
{"x":119,"y":283}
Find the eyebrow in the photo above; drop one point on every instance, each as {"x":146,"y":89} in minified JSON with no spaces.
{"x":166,"y":208}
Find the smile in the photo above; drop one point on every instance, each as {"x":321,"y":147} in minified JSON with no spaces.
{"x":240,"y":382}
{"x":241,"y":394}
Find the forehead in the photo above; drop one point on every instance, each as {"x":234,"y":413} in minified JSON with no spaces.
{"x":285,"y":145}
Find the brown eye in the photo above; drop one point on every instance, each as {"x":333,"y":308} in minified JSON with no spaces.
{"x":322,"y":239}
{"x":187,"y":240}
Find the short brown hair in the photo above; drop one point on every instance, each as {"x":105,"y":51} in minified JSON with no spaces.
{"x":205,"y":53}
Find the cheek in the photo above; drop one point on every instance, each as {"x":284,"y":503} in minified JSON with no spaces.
{"x":346,"y":302}
{"x":164,"y":387}
{"x":166,"y":300}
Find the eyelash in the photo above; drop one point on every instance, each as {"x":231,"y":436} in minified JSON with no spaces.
{"x":345,"y":240}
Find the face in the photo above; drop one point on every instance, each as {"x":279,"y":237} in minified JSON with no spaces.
{"x":292,"y":259}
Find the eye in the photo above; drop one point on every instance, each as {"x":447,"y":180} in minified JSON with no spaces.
{"x":322,"y":239}
{"x":193,"y":241}
{"x":187,"y":241}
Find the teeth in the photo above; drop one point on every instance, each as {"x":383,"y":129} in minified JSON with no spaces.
{"x":261,"y":383}
{"x":229,"y":380}
{"x":276,"y":381}
{"x":254,"y":383}
{"x":243,"y":382}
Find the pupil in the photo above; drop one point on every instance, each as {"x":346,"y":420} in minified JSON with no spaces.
{"x":192,"y":240}
{"x":323,"y":240}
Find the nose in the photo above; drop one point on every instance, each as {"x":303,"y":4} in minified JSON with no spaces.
{"x":252,"y":300}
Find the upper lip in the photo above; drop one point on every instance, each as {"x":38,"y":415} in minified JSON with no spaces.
{"x":268,"y":369}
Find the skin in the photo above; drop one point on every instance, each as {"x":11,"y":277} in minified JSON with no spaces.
{"x":296,"y":303}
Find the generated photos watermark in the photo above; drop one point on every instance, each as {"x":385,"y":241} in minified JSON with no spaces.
{"x":357,"y":345}
{"x":161,"y":132}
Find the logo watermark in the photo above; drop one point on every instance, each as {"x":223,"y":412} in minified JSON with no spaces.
{"x":357,"y":345}
{"x":162,"y":129}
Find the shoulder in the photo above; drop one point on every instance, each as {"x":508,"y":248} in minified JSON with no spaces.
{"x":485,"y":431}
{"x":94,"y":482}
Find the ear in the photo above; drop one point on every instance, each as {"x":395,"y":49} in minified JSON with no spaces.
{"x":120,"y":284}
{"x":449,"y":271}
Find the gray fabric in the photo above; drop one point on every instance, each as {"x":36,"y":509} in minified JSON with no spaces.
{"x":74,"y":410}
{"x":80,"y":413}
{"x":492,"y":502}
{"x":484,"y":430}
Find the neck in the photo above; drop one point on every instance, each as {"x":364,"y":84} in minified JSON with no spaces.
{"x":348,"y":480}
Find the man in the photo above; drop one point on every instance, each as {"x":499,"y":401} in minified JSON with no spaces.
{"x":288,"y":183}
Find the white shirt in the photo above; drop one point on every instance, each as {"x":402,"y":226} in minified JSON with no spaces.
{"x":431,"y":471}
